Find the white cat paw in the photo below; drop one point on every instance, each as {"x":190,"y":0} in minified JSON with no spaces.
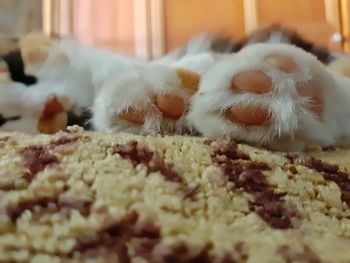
{"x":274,"y":95}
{"x":150,"y":100}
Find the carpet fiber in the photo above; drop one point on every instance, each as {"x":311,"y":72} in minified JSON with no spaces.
{"x":86,"y":197}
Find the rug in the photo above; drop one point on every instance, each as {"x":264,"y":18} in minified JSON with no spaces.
{"x":78,"y":196}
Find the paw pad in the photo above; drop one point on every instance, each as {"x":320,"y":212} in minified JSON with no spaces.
{"x":282,"y":62}
{"x":171,"y":106}
{"x":133,"y":115}
{"x":249,"y":114}
{"x":252,"y":81}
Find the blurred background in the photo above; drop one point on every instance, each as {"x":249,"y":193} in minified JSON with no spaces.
{"x":150,"y":28}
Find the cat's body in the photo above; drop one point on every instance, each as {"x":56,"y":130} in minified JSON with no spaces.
{"x":273,"y":94}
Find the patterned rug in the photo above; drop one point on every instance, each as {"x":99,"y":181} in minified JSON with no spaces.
{"x":85,"y":197}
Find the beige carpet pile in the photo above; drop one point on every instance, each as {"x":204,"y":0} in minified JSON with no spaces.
{"x":86,"y":197}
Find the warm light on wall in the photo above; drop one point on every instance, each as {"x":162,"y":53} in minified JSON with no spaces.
{"x":134,"y":27}
{"x":149,"y":28}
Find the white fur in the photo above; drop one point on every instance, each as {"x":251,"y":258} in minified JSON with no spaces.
{"x":290,"y":117}
{"x":110,"y":83}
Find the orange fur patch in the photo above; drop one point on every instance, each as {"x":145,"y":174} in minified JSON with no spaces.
{"x":57,"y":123}
{"x":54,"y":118}
{"x":52,"y":108}
{"x":36,"y":47}
{"x":189,"y":80}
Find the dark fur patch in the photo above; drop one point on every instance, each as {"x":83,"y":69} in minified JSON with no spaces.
{"x":81,"y":118}
{"x":4,"y":120}
{"x":288,"y":36}
{"x":15,"y":65}
{"x":224,"y":45}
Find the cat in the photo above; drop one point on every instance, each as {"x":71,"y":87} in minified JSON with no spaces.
{"x":272,"y":89}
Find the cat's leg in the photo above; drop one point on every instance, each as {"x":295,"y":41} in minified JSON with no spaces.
{"x":275,"y":95}
{"x":151,"y":98}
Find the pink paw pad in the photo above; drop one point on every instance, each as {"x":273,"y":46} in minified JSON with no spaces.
{"x":259,"y":82}
{"x":282,"y":62}
{"x":133,"y":115}
{"x":252,"y":81}
{"x":249,"y":115}
{"x":171,"y":107}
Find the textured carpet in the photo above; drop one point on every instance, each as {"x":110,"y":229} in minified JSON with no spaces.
{"x":85,"y":197}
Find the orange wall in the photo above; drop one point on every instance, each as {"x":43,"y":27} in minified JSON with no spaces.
{"x":187,"y":18}
{"x":111,"y":23}
{"x":105,"y":23}
{"x":308,"y":17}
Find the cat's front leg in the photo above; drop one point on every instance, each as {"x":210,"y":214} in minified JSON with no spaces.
{"x":275,"y":95}
{"x":150,"y":99}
